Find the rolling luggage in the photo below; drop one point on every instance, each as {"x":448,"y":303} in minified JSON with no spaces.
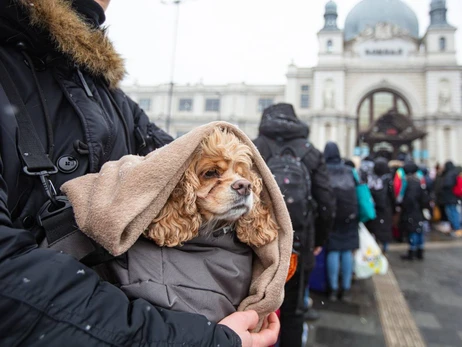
{"x":318,"y":277}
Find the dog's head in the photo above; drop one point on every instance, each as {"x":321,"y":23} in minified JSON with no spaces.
{"x":219,"y":188}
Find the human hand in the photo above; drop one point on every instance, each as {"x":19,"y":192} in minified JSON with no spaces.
{"x":317,"y":251}
{"x":242,"y":322}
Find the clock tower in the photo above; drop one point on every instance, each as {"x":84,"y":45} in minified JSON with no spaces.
{"x":330,"y":37}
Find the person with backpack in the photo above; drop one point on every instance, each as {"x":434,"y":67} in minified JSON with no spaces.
{"x":380,"y":184}
{"x":345,"y":237}
{"x":62,"y":116}
{"x":415,"y":200}
{"x":301,"y":174}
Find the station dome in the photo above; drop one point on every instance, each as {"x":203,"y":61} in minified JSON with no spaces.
{"x":370,"y":12}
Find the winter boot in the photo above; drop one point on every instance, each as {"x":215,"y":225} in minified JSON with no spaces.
{"x":420,"y":254}
{"x":408,"y":256}
{"x":333,"y":296}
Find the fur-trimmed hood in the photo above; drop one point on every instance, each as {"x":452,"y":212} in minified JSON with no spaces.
{"x":61,"y":25}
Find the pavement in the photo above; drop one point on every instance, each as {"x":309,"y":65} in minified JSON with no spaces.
{"x":347,"y":324}
{"x":433,"y":291}
{"x":416,"y":304}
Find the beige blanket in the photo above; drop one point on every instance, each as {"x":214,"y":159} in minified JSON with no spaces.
{"x":117,"y":204}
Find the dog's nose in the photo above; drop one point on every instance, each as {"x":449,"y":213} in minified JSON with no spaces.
{"x":242,"y":187}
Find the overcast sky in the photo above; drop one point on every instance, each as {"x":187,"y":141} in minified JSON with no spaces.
{"x":230,"y":41}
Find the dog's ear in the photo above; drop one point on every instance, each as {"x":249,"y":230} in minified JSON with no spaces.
{"x":179,"y":220}
{"x":257,"y":228}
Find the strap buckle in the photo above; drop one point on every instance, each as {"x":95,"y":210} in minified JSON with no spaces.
{"x":46,"y":182}
{"x":60,"y":204}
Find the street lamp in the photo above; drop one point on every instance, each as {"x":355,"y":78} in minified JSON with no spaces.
{"x":177,"y":4}
{"x":219,"y":105}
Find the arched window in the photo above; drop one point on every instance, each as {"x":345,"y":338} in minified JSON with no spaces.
{"x":376,"y":104}
{"x":442,"y":44}
{"x":329,"y":46}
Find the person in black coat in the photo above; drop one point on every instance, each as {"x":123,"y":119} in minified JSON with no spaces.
{"x":279,"y":124}
{"x":412,"y":220}
{"x":381,"y":187}
{"x":345,"y":237}
{"x":445,"y":196}
{"x":65,"y":73}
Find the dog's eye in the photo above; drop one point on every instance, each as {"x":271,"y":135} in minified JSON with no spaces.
{"x":211,"y":174}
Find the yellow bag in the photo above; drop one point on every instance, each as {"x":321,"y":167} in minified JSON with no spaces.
{"x":436,"y":214}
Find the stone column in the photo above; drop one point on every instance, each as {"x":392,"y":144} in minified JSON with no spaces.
{"x":439,"y":144}
{"x":453,"y":152}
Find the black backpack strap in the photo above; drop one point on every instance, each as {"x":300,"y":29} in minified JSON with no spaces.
{"x":56,"y":215}
{"x":30,"y":147}
{"x":299,"y":151}
{"x":279,"y":147}
{"x":36,"y":161}
{"x":273,"y":146}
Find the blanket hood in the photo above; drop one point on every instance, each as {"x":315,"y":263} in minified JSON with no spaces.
{"x":117,"y":204}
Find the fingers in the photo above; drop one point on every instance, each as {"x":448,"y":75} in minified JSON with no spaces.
{"x":268,"y":336}
{"x":252,"y":319}
{"x":273,"y":321}
{"x":243,"y":322}
{"x":265,"y":323}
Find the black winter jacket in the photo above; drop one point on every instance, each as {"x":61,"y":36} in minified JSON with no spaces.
{"x":415,"y":199}
{"x":345,"y":234}
{"x":381,"y":186}
{"x":446,"y":183}
{"x":288,"y":128}
{"x":49,"y":298}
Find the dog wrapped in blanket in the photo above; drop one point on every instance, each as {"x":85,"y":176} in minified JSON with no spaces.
{"x":210,"y":201}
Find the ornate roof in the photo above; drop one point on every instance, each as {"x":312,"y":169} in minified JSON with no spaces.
{"x":394,"y":128}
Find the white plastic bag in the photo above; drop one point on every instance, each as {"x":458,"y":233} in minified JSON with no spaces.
{"x":369,"y":259}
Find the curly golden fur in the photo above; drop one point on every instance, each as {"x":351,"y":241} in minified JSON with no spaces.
{"x":219,"y":188}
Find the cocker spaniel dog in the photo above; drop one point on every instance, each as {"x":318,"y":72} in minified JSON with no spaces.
{"x":218,"y":189}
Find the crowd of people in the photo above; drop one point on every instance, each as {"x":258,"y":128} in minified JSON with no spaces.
{"x":418,"y":198}
{"x":407,"y":198}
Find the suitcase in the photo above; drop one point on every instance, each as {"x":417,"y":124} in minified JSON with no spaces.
{"x":318,"y":277}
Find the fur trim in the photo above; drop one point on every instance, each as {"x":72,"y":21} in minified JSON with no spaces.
{"x":87,"y":47}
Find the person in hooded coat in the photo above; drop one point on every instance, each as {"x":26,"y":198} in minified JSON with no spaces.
{"x":445,"y":196}
{"x":381,"y":187}
{"x":345,"y":237}
{"x":280,"y":124}
{"x":366,"y":168}
{"x":57,"y":64}
{"x":412,"y":220}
